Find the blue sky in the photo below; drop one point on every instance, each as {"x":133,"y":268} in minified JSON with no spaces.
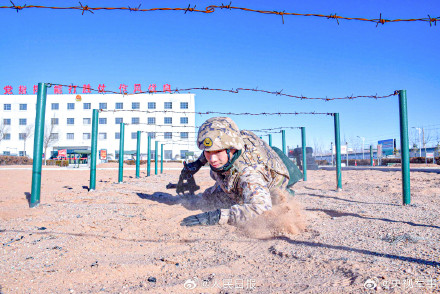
{"x":309,"y":56}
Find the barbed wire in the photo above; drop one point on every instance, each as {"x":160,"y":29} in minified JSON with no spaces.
{"x":155,"y":125}
{"x":235,"y":91}
{"x":272,"y":130}
{"x":212,"y":8}
{"x":221,"y":113}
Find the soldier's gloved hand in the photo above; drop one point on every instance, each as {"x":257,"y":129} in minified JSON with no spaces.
{"x":203,"y":219}
{"x":190,"y":169}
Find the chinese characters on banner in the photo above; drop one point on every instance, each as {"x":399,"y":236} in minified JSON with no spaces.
{"x":86,"y":89}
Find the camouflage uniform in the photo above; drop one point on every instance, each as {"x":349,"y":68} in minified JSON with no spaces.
{"x":253,"y":174}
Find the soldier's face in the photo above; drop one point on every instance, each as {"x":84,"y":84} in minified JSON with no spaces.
{"x":217,"y":158}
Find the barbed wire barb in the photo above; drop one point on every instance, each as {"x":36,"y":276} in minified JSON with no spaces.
{"x":85,"y":8}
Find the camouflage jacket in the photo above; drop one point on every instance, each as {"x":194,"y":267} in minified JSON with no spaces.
{"x":249,"y":181}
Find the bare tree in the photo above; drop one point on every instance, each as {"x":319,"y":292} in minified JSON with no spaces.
{"x":356,"y":144}
{"x":3,"y":131}
{"x":28,"y":132}
{"x":317,"y":147}
{"x":49,"y":138}
{"x":414,"y":140}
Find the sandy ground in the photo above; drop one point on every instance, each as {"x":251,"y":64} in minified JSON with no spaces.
{"x":126,"y":238}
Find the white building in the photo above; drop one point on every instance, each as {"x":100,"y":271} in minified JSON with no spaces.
{"x":167,"y":118}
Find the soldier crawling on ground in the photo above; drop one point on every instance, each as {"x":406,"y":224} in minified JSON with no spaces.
{"x":246,"y":169}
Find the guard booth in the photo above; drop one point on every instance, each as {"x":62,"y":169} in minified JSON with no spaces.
{"x":75,"y":156}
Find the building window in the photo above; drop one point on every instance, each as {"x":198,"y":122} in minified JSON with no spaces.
{"x":70,"y":106}
{"x":135,"y":105}
{"x":119,"y":120}
{"x":102,"y":105}
{"x":168,"y":135}
{"x":86,"y":136}
{"x":183,"y":154}
{"x":183,"y":120}
{"x":135,"y":120}
{"x":7,"y":136}
{"x":70,"y":121}
{"x":102,"y":136}
{"x":7,"y":121}
{"x":21,"y":153}
{"x":184,"y":135}
{"x":6,"y":152}
{"x":119,"y":105}
{"x":87,"y":121}
{"x":23,"y":106}
{"x":168,"y":120}
{"x":183,"y":105}
{"x":134,"y":135}
{"x":7,"y":107}
{"x":152,"y":135}
{"x":151,"y":120}
{"x":102,"y":121}
{"x":21,"y":136}
{"x":87,"y":105}
{"x":54,"y":121}
{"x":151,"y":105}
{"x":117,"y":136}
{"x":168,"y":105}
{"x":22,"y":121}
{"x":55,"y":106}
{"x":54,"y":136}
{"x":70,"y":136}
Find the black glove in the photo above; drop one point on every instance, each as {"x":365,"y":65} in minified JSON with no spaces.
{"x":204,"y":219}
{"x":190,"y":169}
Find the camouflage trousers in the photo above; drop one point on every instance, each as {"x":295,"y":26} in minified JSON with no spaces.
{"x":215,"y":198}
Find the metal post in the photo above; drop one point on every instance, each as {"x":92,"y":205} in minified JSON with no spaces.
{"x":424,"y":145}
{"x":161,"y":158}
{"x":156,"y":150}
{"x":121,"y":154}
{"x":371,"y":155}
{"x":94,"y":150}
{"x":270,"y":140}
{"x":138,"y":154}
{"x":338,"y":152}
{"x":404,"y":146}
{"x":304,"y":152}
{"x":283,"y":133}
{"x":38,"y":145}
{"x":346,"y":151}
{"x":149,"y":156}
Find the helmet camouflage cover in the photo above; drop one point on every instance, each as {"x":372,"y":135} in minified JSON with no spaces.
{"x":219,"y":133}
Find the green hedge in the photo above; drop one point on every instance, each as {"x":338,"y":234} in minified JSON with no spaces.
{"x":15,"y":160}
{"x":57,"y":162}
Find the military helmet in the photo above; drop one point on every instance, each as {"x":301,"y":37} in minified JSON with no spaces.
{"x":219,"y":133}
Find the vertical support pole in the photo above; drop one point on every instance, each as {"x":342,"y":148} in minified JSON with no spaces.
{"x":138,"y":154}
{"x":156,"y":150}
{"x":338,"y":151}
{"x":371,"y":155}
{"x":161,"y":158}
{"x":38,"y":145}
{"x":94,"y":150}
{"x":121,"y":154}
{"x":149,"y":156}
{"x":304,"y":153}
{"x":283,"y":134}
{"x":270,"y":140}
{"x":404,"y":147}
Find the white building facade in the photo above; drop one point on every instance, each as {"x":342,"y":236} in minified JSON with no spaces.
{"x":168,"y":119}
